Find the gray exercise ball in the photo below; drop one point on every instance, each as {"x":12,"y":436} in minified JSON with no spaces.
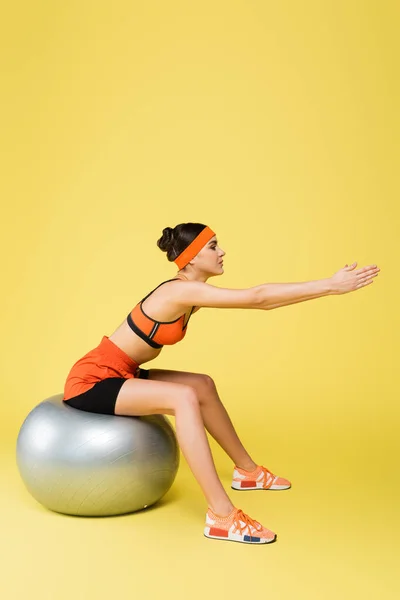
{"x":90,"y":464}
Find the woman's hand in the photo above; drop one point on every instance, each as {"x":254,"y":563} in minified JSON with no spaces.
{"x":348,"y":279}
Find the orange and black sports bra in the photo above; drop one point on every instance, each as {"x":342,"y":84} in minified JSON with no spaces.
{"x":157,"y":333}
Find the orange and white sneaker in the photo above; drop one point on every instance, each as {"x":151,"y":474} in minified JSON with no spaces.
{"x":237,"y":527}
{"x":259,"y":479}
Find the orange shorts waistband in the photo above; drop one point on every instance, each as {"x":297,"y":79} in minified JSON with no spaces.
{"x":115,"y":353}
{"x":104,"y":361}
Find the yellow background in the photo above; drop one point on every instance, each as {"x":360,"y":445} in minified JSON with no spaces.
{"x":277,"y":124}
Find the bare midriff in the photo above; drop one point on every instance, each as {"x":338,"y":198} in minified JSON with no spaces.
{"x":133,"y":345}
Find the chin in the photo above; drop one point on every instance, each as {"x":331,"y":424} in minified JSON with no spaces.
{"x":217,"y":273}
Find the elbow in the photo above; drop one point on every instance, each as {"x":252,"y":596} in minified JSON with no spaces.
{"x":259,"y":300}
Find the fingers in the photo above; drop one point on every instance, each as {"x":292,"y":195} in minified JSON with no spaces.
{"x":369,"y":269}
{"x":366,"y":277}
{"x":364,"y":283}
{"x":351,"y":267}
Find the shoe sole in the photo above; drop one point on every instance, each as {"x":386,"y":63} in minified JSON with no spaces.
{"x":232,"y":539}
{"x":273,"y":487}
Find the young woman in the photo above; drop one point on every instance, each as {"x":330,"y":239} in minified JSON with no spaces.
{"x":109,"y":379}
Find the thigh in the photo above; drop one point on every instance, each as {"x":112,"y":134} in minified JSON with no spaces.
{"x":139,"y":397}
{"x":199,"y":381}
{"x":100,"y":398}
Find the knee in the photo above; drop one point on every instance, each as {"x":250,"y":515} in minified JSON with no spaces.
{"x":190,"y":397}
{"x":207,"y":389}
{"x":208,"y":383}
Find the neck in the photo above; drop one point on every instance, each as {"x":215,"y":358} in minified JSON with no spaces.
{"x":191,"y":277}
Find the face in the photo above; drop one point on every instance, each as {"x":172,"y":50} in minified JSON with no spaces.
{"x":209,"y":259}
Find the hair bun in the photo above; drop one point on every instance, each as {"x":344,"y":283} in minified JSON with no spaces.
{"x":166,"y":240}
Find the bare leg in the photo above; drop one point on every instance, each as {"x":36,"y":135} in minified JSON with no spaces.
{"x":219,"y":425}
{"x":196,"y":449}
{"x":138,"y":397}
{"x":215,"y":417}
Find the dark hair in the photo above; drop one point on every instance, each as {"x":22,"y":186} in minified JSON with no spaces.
{"x":174,"y":240}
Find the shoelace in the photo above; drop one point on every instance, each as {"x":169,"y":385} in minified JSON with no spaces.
{"x":248,"y":521}
{"x":267,"y":475}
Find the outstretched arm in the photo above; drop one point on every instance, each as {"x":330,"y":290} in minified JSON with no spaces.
{"x":275,"y":295}
{"x":270,"y":295}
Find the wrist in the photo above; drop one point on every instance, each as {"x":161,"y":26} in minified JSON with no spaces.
{"x":327,"y":286}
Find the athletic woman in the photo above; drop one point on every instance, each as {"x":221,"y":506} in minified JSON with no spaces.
{"x":110,"y":378}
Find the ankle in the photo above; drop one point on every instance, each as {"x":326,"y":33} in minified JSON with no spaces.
{"x":249,"y":467}
{"x":221,"y":510}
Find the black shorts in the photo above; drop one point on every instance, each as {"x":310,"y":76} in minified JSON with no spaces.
{"x":101,"y":398}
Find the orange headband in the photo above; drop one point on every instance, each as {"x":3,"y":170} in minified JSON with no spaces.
{"x":194,"y":247}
